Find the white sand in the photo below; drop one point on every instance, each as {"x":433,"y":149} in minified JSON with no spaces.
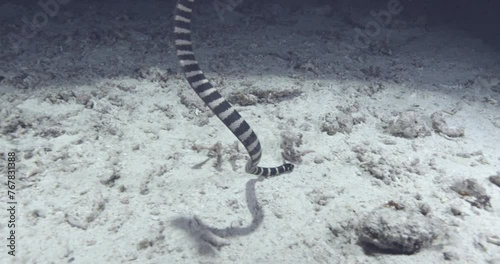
{"x":113,"y":181}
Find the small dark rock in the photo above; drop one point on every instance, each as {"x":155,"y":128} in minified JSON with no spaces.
{"x":450,"y":256}
{"x":495,"y":179}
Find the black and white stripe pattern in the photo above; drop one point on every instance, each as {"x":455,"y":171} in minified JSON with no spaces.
{"x":212,"y":98}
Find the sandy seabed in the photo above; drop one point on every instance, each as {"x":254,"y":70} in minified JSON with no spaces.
{"x":396,"y":144}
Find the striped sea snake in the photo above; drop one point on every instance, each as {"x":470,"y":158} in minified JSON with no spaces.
{"x":212,"y":98}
